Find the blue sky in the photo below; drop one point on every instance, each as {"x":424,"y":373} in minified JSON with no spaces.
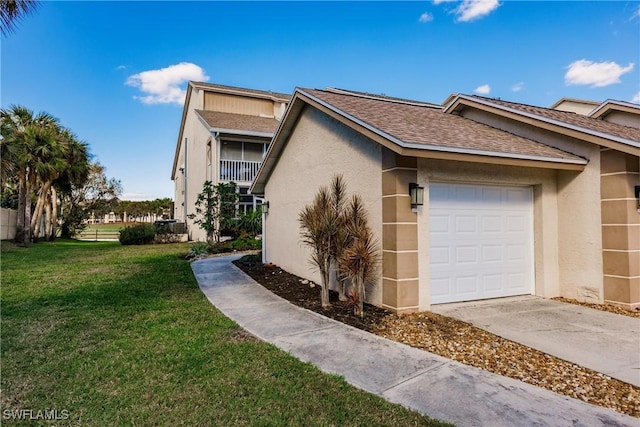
{"x":111,"y":71}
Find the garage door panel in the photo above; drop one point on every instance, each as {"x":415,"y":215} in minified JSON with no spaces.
{"x":466,"y":255}
{"x":491,"y":224}
{"x":466,"y":285}
{"x":465,"y":224}
{"x":480,"y":242}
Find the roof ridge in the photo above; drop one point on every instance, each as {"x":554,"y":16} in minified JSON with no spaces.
{"x":241,"y":89}
{"x":523,"y":104}
{"x":381,"y":97}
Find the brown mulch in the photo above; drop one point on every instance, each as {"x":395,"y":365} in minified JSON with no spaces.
{"x":602,"y":307}
{"x":457,"y":340}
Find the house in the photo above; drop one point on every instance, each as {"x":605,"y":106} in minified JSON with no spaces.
{"x":518,"y":199}
{"x":224,"y":134}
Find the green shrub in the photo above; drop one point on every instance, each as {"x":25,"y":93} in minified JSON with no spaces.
{"x":142,"y":234}
{"x":240,"y":244}
{"x":250,"y":222}
{"x":198,"y":249}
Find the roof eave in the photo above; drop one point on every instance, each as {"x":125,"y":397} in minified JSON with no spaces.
{"x":397,"y":145}
{"x":181,"y":131}
{"x":462,"y":101}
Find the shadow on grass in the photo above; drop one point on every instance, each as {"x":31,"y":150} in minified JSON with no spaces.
{"x":117,"y":287}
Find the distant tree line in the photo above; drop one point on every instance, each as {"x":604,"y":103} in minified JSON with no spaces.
{"x":136,"y":210}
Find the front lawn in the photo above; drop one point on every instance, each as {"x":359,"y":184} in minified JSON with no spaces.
{"x":121,"y":335}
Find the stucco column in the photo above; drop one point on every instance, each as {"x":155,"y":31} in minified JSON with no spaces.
{"x":619,"y":174}
{"x":399,"y":234}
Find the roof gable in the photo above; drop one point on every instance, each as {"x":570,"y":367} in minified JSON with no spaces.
{"x":600,"y":132}
{"x":415,"y":129}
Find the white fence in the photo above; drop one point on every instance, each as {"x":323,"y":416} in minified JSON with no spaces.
{"x":8,"y":223}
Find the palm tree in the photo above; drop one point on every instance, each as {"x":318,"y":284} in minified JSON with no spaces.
{"x":360,"y":257}
{"x":25,"y":138}
{"x":12,"y":11}
{"x":76,"y":173}
{"x":49,"y":149}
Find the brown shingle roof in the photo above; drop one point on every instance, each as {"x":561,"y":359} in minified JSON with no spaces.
{"x":426,"y":126}
{"x":572,"y":119}
{"x":239,"y":122}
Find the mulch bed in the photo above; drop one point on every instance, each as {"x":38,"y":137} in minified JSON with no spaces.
{"x":456,"y":340}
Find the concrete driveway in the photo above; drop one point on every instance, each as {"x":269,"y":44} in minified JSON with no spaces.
{"x":605,"y":342}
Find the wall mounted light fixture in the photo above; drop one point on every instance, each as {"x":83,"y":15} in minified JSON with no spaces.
{"x":417,"y":195}
{"x":265,"y":207}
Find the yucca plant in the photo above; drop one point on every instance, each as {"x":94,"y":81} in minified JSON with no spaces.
{"x":360,"y":257}
{"x":318,"y":228}
{"x":338,"y":204}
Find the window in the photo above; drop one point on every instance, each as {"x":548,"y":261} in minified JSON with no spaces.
{"x":247,"y":151}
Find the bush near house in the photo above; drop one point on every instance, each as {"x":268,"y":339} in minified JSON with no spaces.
{"x":142,"y":234}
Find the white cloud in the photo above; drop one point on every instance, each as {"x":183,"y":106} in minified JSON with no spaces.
{"x":470,"y":10}
{"x":426,"y":17}
{"x":636,"y":98}
{"x":163,"y":86}
{"x":636,"y":14}
{"x":121,"y":67}
{"x":596,"y":74}
{"x":436,"y":2}
{"x":483,"y":90}
{"x":517,"y":87}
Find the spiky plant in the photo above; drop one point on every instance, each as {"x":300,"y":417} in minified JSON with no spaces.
{"x":318,"y":228}
{"x":360,"y":257}
{"x":338,"y":204}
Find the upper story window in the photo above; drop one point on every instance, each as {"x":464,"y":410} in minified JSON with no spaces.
{"x":245,"y":151}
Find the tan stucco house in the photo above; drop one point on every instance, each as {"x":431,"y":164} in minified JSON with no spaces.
{"x":518,"y":199}
{"x":224,"y":134}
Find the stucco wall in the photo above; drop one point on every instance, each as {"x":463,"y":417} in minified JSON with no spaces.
{"x":318,"y":148}
{"x":624,"y":119}
{"x":196,"y":135}
{"x":8,"y":223}
{"x":546,"y":231}
{"x":579,"y":210}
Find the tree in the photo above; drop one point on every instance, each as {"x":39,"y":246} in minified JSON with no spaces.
{"x":12,"y":11}
{"x":340,"y":241}
{"x":27,"y":140}
{"x":215,"y":208}
{"x":97,"y":194}
{"x":318,"y":228}
{"x":359,"y":258}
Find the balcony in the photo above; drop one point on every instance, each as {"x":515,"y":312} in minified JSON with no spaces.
{"x":238,"y":170}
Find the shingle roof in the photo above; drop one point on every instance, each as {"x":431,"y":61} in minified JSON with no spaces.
{"x":573,"y":119}
{"x":262,"y":93}
{"x":426,"y":126}
{"x":239,"y":122}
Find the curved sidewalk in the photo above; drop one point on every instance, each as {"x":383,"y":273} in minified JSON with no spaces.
{"x":422,"y":381}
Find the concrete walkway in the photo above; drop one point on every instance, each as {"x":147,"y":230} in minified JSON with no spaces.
{"x":422,"y":381}
{"x":598,"y":340}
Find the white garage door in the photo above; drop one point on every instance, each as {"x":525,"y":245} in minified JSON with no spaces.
{"x":481,"y":242}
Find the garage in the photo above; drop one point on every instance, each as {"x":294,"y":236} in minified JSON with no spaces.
{"x":480,"y":242}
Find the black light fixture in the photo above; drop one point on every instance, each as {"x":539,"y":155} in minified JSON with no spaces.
{"x":265,"y":207}
{"x":417,"y":195}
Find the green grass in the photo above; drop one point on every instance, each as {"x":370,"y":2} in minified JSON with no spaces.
{"x":121,"y":335}
{"x":107,"y":227}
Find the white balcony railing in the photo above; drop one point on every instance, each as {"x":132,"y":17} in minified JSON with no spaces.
{"x":238,"y":170}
